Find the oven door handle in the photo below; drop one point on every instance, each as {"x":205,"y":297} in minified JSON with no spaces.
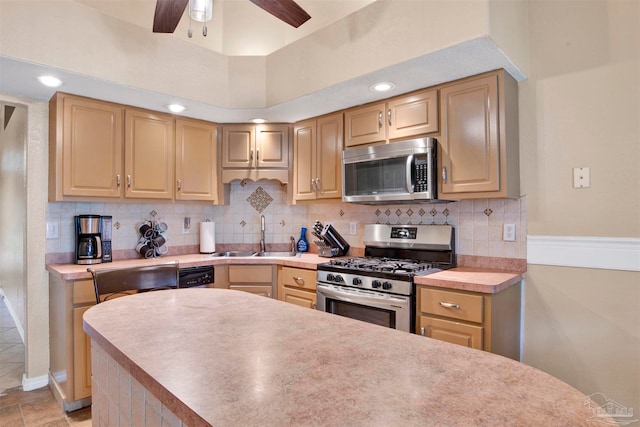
{"x":408,"y":173}
{"x":360,"y":297}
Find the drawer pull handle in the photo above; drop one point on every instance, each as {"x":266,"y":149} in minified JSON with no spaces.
{"x":299,"y":280}
{"x":449,"y":304}
{"x":422,"y":331}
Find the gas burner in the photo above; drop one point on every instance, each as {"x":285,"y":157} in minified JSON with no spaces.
{"x":384,"y":265}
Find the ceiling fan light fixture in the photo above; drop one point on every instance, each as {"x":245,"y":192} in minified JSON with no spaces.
{"x":201,"y":10}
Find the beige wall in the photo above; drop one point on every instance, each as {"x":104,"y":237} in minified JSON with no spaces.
{"x":580,"y":107}
{"x":22,"y":216}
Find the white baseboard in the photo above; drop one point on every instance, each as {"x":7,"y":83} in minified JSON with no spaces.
{"x":609,"y":253}
{"x":33,"y":383}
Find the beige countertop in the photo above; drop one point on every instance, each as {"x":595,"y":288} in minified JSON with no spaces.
{"x":232,"y":358}
{"x":464,"y":278}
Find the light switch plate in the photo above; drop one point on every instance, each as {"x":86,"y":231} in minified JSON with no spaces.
{"x":581,"y":177}
{"x":52,"y":230}
{"x":353,"y":228}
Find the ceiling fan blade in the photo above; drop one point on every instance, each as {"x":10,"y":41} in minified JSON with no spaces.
{"x":285,"y":10}
{"x":168,"y":14}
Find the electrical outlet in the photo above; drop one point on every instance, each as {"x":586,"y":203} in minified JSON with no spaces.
{"x":353,"y":228}
{"x":509,"y":234}
{"x":52,"y":230}
{"x":186,"y":225}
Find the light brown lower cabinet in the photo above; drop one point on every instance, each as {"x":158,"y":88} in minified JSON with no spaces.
{"x":297,"y":286}
{"x":256,"y":279}
{"x":489,"y":322}
{"x":70,"y":347}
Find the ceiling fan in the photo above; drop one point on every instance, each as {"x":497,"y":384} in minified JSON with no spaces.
{"x":169,"y":12}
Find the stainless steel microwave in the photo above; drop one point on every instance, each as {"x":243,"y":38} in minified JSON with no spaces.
{"x":399,"y":172}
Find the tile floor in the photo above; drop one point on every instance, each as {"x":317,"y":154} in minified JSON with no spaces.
{"x":27,"y":408}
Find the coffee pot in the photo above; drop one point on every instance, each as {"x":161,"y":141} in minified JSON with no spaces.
{"x":88,"y":239}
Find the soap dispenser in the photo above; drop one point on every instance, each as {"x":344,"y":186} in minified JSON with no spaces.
{"x":303,"y":245}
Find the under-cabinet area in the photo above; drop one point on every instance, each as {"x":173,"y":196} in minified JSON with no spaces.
{"x":489,"y":322}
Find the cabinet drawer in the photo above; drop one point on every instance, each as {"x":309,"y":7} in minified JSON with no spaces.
{"x":250,"y":274}
{"x":83,"y":292}
{"x":451,"y":304}
{"x":299,"y":278}
{"x":453,"y":332}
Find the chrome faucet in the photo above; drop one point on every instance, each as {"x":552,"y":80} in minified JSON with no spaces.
{"x":294,"y":249}
{"x":262,"y":233}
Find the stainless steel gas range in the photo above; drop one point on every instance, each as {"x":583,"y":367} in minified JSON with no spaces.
{"x":379,"y":288}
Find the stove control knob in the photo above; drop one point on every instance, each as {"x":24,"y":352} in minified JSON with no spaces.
{"x":375,"y":284}
{"x":338,"y":279}
{"x":386,"y":285}
{"x":357,"y":281}
{"x":330,"y":277}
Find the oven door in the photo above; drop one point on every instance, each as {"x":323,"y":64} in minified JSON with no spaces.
{"x":391,"y":311}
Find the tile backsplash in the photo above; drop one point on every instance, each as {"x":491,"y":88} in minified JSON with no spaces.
{"x":478,"y":223}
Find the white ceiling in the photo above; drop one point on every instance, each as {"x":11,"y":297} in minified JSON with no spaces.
{"x":17,"y":76}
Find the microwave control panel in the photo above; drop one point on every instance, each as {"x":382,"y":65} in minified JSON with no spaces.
{"x":421,"y":173}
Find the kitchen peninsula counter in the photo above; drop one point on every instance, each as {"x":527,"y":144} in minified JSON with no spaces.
{"x":222,"y":357}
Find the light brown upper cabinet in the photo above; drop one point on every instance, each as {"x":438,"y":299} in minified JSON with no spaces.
{"x":400,"y":117}
{"x":317,"y":151}
{"x":478,"y":155}
{"x":85,"y":148}
{"x":107,"y":151}
{"x":196,"y":160}
{"x":149,"y":153}
{"x":249,"y":149}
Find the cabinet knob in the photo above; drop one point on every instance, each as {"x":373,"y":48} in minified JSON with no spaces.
{"x":422,"y":331}
{"x":299,"y":281}
{"x":389,"y":116}
{"x":251,"y":156}
{"x":444,"y":174}
{"x":118,"y":180}
{"x":314,"y":306}
{"x":380,"y":119}
{"x":318,"y":185}
{"x":128,"y":181}
{"x":258,"y":155}
{"x":179,"y":185}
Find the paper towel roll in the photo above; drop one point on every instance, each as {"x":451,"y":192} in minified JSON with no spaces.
{"x":207,"y":237}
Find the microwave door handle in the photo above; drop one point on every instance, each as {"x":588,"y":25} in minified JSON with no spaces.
{"x":408,"y":171}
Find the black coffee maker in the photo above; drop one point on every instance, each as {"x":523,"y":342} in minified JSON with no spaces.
{"x":88,"y":239}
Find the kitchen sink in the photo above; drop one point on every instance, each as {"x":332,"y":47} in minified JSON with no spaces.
{"x":277,"y":254}
{"x":233,"y":253}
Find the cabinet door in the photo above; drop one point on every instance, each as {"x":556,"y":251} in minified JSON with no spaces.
{"x":261,"y":290}
{"x":196,"y":169}
{"x":91,"y":148}
{"x":453,"y":332}
{"x":470,"y":145}
{"x":299,"y":297}
{"x":81,"y":357}
{"x":413,"y":115}
{"x":365,"y":125}
{"x":149,"y":154}
{"x":304,"y":160}
{"x":329,"y":157}
{"x":238,"y":145}
{"x":272,"y":146}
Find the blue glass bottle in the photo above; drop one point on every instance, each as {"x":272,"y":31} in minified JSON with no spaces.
{"x":303,"y":245}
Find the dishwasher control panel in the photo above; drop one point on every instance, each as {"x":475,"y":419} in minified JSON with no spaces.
{"x":196,"y":276}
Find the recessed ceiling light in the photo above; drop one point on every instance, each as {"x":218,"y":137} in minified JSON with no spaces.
{"x":50,"y":81}
{"x":382,"y":86}
{"x":258,"y":121}
{"x":176,"y":108}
